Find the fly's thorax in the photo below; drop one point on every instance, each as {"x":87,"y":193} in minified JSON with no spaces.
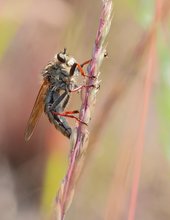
{"x":50,"y":68}
{"x":54,"y":72}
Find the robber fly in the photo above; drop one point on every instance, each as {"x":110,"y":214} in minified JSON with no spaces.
{"x":54,"y":94}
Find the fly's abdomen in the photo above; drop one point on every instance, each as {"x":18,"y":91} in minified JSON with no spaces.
{"x":62,"y":125}
{"x":56,"y":103}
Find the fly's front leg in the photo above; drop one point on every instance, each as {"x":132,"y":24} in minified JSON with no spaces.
{"x":85,"y":63}
{"x":80,"y":66}
{"x":80,"y":69}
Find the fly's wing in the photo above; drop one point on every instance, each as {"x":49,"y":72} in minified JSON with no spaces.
{"x":36,"y":111}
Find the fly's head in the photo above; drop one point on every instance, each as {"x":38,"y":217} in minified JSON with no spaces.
{"x":65,"y":60}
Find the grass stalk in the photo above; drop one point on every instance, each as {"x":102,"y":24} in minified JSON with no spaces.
{"x":79,"y":138}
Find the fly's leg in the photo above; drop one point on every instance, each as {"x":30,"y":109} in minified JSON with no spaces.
{"x":81,"y":87}
{"x":88,"y":61}
{"x":72,"y":70}
{"x":80,"y":68}
{"x":59,"y":99}
{"x":72,"y":112}
{"x":85,"y":63}
{"x":70,"y":115}
{"x":66,"y":101}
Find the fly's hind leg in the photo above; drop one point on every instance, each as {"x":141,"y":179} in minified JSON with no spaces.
{"x":68,"y":114}
{"x":54,"y":106}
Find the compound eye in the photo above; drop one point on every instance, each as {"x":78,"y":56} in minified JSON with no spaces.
{"x":61,"y":57}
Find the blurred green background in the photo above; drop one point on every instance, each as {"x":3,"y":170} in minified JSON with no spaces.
{"x":31,"y":32}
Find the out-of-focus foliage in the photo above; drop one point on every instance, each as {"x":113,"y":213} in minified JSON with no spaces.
{"x":52,"y":182}
{"x":145,"y":12}
{"x":7,"y":30}
{"x":163,"y":94}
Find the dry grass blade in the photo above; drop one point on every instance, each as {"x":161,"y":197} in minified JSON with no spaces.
{"x":79,"y":137}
